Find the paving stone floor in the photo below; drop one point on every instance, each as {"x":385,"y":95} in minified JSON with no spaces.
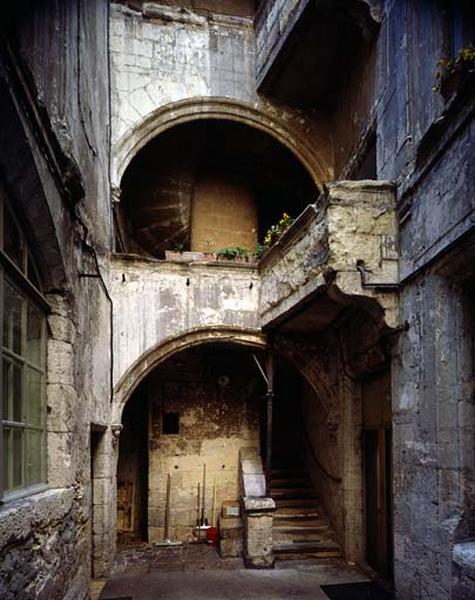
{"x":196,"y":572}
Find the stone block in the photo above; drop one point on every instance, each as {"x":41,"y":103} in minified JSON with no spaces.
{"x":100,"y":492}
{"x":61,"y":328}
{"x":144,"y":62}
{"x":258,"y":520}
{"x":230,"y":537}
{"x":61,"y":472}
{"x":60,"y":362}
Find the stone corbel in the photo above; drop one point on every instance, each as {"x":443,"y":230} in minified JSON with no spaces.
{"x":116,"y":193}
{"x":116,"y":429}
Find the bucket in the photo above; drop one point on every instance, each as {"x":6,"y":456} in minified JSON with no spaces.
{"x":212,"y":536}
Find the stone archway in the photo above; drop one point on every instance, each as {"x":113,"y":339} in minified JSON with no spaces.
{"x":143,"y":449}
{"x":167,"y":348}
{"x":287,"y":133}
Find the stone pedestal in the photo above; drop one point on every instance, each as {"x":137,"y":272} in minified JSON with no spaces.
{"x":230,"y":537}
{"x":258,"y":517}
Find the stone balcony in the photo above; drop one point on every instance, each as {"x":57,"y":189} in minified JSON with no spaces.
{"x":340,"y":251}
{"x":299,"y":41}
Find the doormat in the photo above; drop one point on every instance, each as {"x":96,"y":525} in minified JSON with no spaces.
{"x":366,"y":590}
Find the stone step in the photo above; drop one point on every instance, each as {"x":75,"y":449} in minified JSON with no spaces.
{"x":299,"y":512}
{"x":321,"y":555}
{"x":299,"y":492}
{"x":290,"y":482}
{"x":307,"y":547}
{"x":287,"y":473}
{"x":314,"y":526}
{"x":296,"y":502}
{"x":304,"y":534}
{"x":300,"y":521}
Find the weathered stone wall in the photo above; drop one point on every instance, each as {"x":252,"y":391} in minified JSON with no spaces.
{"x":428,"y":146}
{"x":433,"y":435}
{"x":168,"y":54}
{"x":155,"y":301}
{"x":54,"y":157}
{"x":40,"y":536}
{"x":324,"y":453}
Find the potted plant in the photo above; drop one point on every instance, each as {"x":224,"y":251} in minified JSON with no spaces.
{"x":233,"y":253}
{"x":451,"y":73}
{"x":179,"y":254}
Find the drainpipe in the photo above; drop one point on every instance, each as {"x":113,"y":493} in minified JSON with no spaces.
{"x":268,"y":376}
{"x":270,"y":402}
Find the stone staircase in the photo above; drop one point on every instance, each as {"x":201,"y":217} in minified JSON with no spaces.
{"x":301,"y":528}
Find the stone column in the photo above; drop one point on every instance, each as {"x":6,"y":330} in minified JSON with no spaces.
{"x":258,"y":518}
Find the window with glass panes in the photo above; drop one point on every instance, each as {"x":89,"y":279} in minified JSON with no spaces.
{"x":23,"y":422}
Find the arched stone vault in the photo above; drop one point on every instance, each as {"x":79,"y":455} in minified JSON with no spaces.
{"x":288,"y":132}
{"x":167,"y":348}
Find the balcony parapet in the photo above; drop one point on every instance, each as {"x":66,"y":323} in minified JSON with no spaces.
{"x":345,"y":245}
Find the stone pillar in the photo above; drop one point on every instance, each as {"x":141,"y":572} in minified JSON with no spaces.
{"x":258,"y":518}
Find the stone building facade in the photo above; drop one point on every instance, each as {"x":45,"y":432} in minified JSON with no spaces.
{"x":132,"y":378}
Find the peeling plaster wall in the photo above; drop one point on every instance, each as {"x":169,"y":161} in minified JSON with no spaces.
{"x":155,"y":301}
{"x":215,"y":422}
{"x":172,"y":54}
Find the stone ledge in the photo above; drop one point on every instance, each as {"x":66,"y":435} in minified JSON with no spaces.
{"x":20,"y":517}
{"x":463,"y":555}
{"x":258,"y":505}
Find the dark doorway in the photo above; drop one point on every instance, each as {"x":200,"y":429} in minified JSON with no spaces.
{"x":288,"y":446}
{"x":132,"y":471}
{"x":377,"y":441}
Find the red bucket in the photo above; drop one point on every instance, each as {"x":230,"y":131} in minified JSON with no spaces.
{"x":212,"y":536}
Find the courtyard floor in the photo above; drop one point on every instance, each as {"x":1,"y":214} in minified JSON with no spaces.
{"x":196,"y":572}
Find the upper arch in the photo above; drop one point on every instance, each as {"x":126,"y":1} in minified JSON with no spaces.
{"x":193,"y":109}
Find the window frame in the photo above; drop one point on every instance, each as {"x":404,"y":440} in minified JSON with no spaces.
{"x":31,"y":298}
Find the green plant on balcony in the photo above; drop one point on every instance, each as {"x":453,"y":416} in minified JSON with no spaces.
{"x":451,"y":73}
{"x":233,"y":253}
{"x":178,"y":247}
{"x":276,"y":231}
{"x":260,"y":249}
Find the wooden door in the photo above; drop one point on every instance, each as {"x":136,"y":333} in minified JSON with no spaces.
{"x":377,"y":452}
{"x":378,"y":499}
